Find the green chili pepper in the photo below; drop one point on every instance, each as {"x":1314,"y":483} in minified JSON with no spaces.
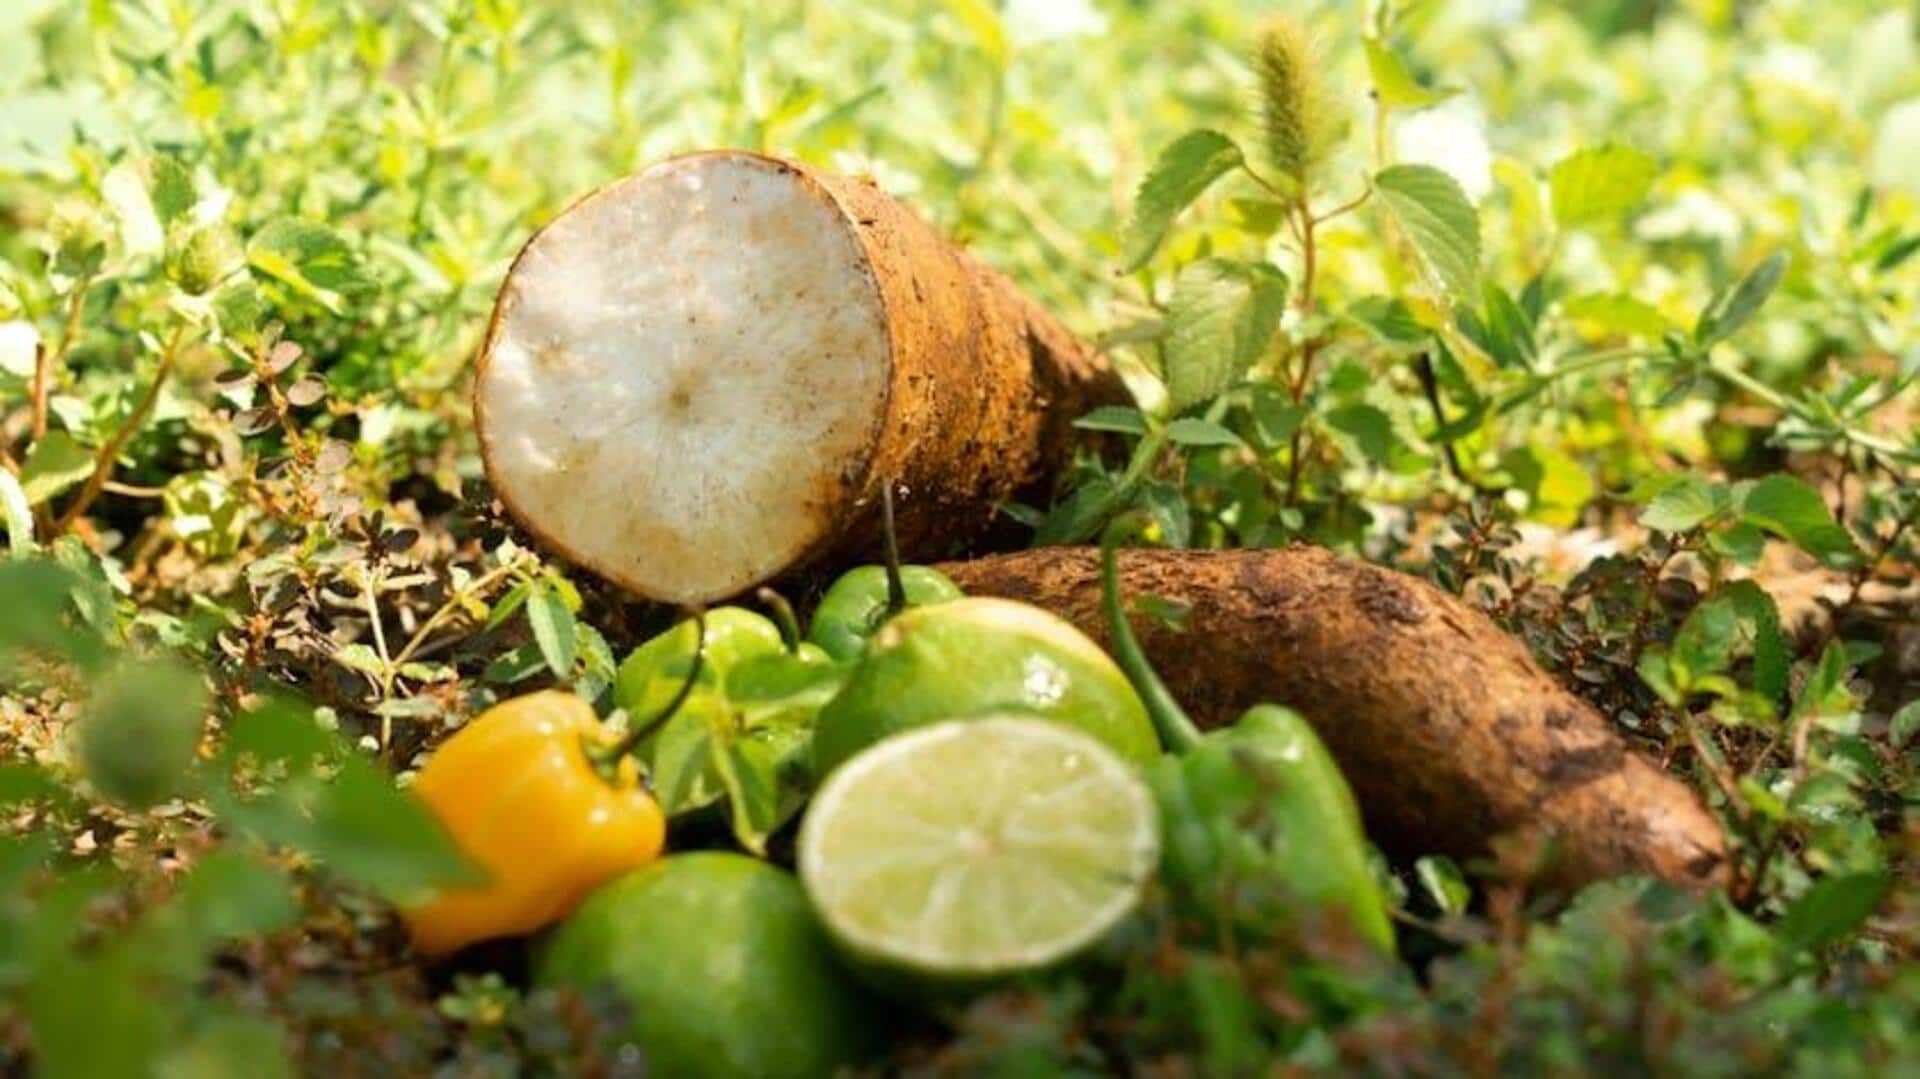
{"x":856,"y":604}
{"x":1259,"y":807}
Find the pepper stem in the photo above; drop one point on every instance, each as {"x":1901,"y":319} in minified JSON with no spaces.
{"x":645,"y":730}
{"x":896,"y":588}
{"x":1176,"y":728}
{"x":783,"y":617}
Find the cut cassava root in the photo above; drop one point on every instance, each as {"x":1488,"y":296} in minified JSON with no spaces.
{"x":1447,"y":729}
{"x":697,"y":378}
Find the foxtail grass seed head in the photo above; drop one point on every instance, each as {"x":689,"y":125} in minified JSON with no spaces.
{"x":1301,"y":120}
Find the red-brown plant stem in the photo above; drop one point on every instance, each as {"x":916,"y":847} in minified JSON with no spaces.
{"x":1304,"y":369}
{"x":110,"y":450}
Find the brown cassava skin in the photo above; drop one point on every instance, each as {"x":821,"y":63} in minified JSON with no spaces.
{"x":1446,"y":728}
{"x":982,"y":392}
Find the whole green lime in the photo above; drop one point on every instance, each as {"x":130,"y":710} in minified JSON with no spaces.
{"x":979,"y":655}
{"x":724,"y":965}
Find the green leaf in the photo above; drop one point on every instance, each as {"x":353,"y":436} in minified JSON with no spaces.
{"x":55,"y":463}
{"x":1443,"y":882}
{"x":1617,"y":313}
{"x":1787,"y":507}
{"x":1682,"y":504}
{"x":1394,"y":84}
{"x":1507,"y":332}
{"x":1220,"y":318}
{"x":1731,"y":310}
{"x":1739,"y":541}
{"x":1834,"y":907}
{"x":1369,"y":427}
{"x":1438,"y":220}
{"x":1599,"y":183}
{"x":553,"y":629}
{"x":1558,"y":486}
{"x":1126,"y":421}
{"x":137,"y":739}
{"x":1275,"y":416}
{"x":359,"y":827}
{"x":17,"y":515}
{"x":173,"y":188}
{"x":1737,"y":619}
{"x":1389,"y":319}
{"x":1185,"y":169}
{"x":310,"y":258}
{"x":1199,"y":433}
{"x":1904,"y":724}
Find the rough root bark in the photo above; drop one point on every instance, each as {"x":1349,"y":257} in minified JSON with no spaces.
{"x":984,"y":391}
{"x":1447,"y":729}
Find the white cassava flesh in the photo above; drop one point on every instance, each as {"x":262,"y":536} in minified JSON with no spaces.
{"x":681,"y":368}
{"x":698,"y":379}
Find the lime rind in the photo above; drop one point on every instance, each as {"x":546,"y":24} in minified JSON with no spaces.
{"x":976,"y":848}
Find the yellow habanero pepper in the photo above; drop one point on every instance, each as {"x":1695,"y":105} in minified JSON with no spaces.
{"x":532,"y":794}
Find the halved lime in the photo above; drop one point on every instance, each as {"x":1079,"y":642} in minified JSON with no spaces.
{"x":966,"y":850}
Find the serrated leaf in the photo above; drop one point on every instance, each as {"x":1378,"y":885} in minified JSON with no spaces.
{"x":1438,"y":220}
{"x":1394,"y":84}
{"x":1732,"y":310}
{"x":1185,"y":169}
{"x":1787,"y":507}
{"x":1682,"y":504}
{"x":1220,"y":318}
{"x":55,"y":463}
{"x":311,"y":258}
{"x":1599,"y":183}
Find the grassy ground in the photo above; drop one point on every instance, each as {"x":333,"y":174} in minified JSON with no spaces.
{"x":1601,"y":315}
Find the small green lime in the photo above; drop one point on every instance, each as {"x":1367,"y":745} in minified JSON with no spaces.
{"x":977,"y":655}
{"x":966,"y":851}
{"x":851,"y":611}
{"x":724,"y":965}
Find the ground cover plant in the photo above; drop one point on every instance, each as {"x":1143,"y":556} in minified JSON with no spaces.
{"x":1518,"y":428}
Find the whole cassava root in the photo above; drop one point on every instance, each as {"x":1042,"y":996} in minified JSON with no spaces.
{"x":1447,"y":729}
{"x":697,"y":378}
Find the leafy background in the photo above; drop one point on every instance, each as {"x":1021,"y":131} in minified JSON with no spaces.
{"x":1622,"y":346}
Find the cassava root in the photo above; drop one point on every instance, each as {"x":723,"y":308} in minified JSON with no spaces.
{"x":697,"y":378}
{"x":1448,"y":731}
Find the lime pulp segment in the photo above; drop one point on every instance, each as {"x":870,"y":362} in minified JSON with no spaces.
{"x":978,"y":847}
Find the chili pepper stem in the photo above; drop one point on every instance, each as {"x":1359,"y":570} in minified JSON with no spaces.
{"x":896,"y":588}
{"x":611,"y":756}
{"x":1176,"y":729}
{"x":783,"y":617}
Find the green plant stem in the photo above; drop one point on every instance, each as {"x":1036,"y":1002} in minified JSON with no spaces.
{"x":1177,"y":729}
{"x":110,"y":450}
{"x":643,"y":731}
{"x":46,"y":362}
{"x":783,"y":617}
